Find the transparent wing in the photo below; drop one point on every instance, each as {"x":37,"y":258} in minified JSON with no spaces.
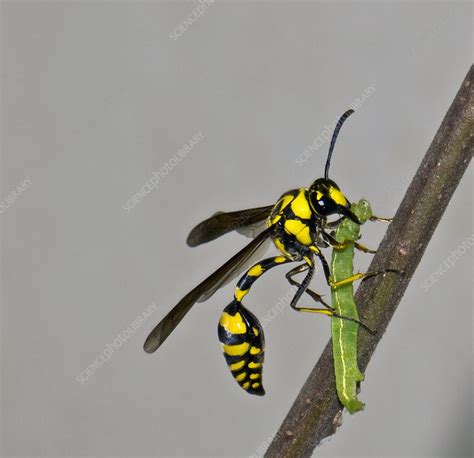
{"x":242,"y":267}
{"x":222,"y":222}
{"x":253,"y":230}
{"x":205,"y":289}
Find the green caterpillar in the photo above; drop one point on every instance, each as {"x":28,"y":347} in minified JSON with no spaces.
{"x":344,"y":332}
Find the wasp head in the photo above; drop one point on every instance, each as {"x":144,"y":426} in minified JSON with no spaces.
{"x":327,"y":199}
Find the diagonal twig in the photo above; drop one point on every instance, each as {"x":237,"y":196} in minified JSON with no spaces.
{"x":316,"y":411}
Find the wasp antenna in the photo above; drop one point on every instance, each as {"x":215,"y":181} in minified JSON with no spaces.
{"x":339,"y":124}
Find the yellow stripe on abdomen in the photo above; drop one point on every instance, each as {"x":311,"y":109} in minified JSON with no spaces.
{"x":236,"y":350}
{"x":242,"y":340}
{"x":233,"y":323}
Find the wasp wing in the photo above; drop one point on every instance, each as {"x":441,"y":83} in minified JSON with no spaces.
{"x":164,"y":328}
{"x":253,"y":230}
{"x":222,"y":222}
{"x":234,"y":273}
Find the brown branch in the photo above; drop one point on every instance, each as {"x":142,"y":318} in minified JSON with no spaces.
{"x":316,"y":411}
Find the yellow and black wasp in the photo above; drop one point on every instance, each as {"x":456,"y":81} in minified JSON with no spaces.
{"x":299,"y":227}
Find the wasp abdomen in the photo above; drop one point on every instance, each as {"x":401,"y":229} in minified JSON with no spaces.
{"x":241,"y":336}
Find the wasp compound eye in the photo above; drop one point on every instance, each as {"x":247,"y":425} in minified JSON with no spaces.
{"x":325,"y":206}
{"x":326,"y":198}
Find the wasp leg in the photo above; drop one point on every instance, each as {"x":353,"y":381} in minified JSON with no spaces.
{"x":342,"y":245}
{"x":324,"y":263}
{"x":361,"y":276}
{"x":304,"y":288}
{"x":314,"y":295}
{"x":352,"y":278}
{"x":332,"y":313}
{"x":363,"y":248}
{"x":379,"y":218}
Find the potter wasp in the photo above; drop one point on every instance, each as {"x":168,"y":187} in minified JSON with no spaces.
{"x":298,"y":226}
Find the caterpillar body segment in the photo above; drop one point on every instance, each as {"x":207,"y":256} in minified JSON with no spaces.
{"x":243,"y":344}
{"x":344,"y":332}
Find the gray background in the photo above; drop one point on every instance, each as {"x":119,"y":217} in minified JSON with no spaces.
{"x":97,"y":96}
